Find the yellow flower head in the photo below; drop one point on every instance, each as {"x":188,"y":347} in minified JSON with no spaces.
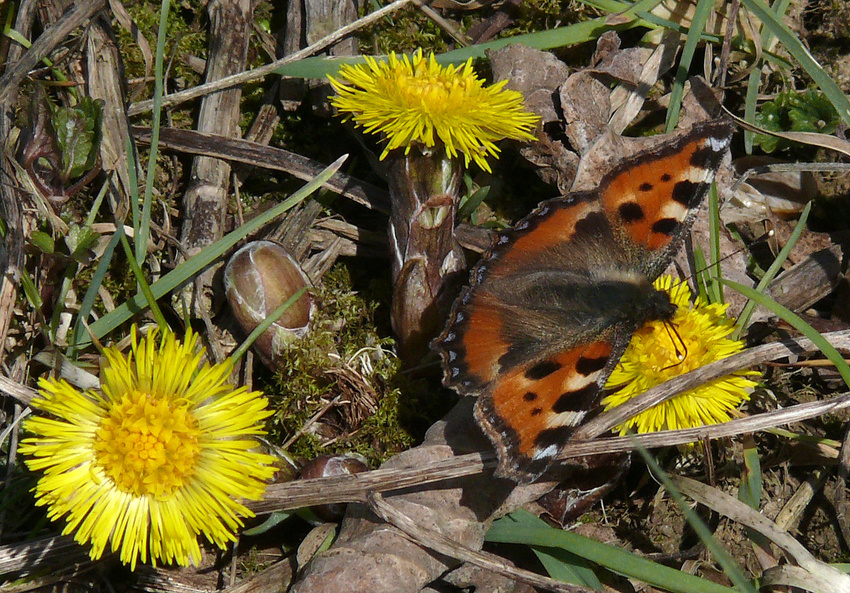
{"x":162,"y":452}
{"x":653,"y":357}
{"x":417,"y":101}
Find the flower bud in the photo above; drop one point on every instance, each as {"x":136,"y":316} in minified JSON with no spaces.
{"x":257,"y":280}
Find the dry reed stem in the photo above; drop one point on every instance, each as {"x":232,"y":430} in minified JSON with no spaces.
{"x":356,"y":488}
{"x":303,"y":493}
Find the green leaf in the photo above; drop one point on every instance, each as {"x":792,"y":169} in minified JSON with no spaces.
{"x":78,"y":135}
{"x":792,"y":111}
{"x":42,"y":241}
{"x":521,"y":527}
{"x":272,"y":520}
{"x":81,"y":240}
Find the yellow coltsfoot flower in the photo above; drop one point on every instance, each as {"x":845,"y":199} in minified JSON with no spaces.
{"x":163,"y":452}
{"x":416,"y":102}
{"x":697,"y":337}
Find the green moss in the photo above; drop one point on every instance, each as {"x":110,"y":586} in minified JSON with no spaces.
{"x":120,"y":282}
{"x":186,"y":36}
{"x":343,"y":355}
{"x":403,"y":31}
{"x":541,"y":15}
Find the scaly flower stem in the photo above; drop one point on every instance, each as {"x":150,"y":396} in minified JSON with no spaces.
{"x":427,"y":260}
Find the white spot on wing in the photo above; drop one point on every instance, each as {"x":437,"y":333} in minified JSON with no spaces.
{"x":578,"y":381}
{"x":565,"y":419}
{"x":718,"y":144}
{"x":673,"y":209}
{"x":699,"y":175}
{"x":549,"y":451}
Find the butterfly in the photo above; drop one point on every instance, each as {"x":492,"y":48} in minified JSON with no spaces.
{"x":552,"y":305}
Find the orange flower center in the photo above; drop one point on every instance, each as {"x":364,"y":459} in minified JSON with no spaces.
{"x":148,"y":445}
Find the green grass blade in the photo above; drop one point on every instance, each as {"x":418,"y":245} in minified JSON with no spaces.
{"x":105,"y":260}
{"x":797,"y":323}
{"x":749,"y":492}
{"x":141,"y":226}
{"x":750,"y":107}
{"x":773,"y":270}
{"x":700,"y":278}
{"x":145,"y":289}
{"x":567,"y":567}
{"x":800,"y":53}
{"x":265,"y":324}
{"x":30,"y":291}
{"x":98,"y":200}
{"x":730,"y":568}
{"x":188,"y":269}
{"x":698,"y":22}
{"x":779,"y":7}
{"x":272,"y":520}
{"x":67,"y":281}
{"x":714,"y":272}
{"x":91,"y":293}
{"x":521,"y":527}
{"x":751,"y":482}
{"x":470,"y":205}
{"x":320,"y":67}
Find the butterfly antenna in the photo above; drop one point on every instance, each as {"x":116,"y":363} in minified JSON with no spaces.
{"x":677,"y":341}
{"x":764,"y":238}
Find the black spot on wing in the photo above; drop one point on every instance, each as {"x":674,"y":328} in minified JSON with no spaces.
{"x":518,"y":353}
{"x":542,"y":369}
{"x":593,"y":225}
{"x":553,"y":436}
{"x":686,"y":192}
{"x":587,"y":366}
{"x":536,"y":411}
{"x":631,"y":212}
{"x":706,"y":157}
{"x":529,"y":396}
{"x":645,"y":186}
{"x":575,"y":401}
{"x":666,"y":177}
{"x":665,"y":226}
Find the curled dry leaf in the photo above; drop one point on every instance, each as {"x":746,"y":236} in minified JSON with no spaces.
{"x":537,"y":75}
{"x":324,"y":466}
{"x":319,"y":538}
{"x":782,"y":193}
{"x":258,"y":279}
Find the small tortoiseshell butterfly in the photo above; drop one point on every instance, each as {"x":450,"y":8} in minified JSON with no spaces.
{"x":553,"y":303}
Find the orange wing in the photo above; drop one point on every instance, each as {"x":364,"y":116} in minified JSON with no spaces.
{"x":552,"y":305}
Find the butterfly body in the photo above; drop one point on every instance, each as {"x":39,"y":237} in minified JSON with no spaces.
{"x":552,"y":305}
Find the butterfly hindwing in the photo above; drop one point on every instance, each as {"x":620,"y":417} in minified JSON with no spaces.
{"x":555,"y":396}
